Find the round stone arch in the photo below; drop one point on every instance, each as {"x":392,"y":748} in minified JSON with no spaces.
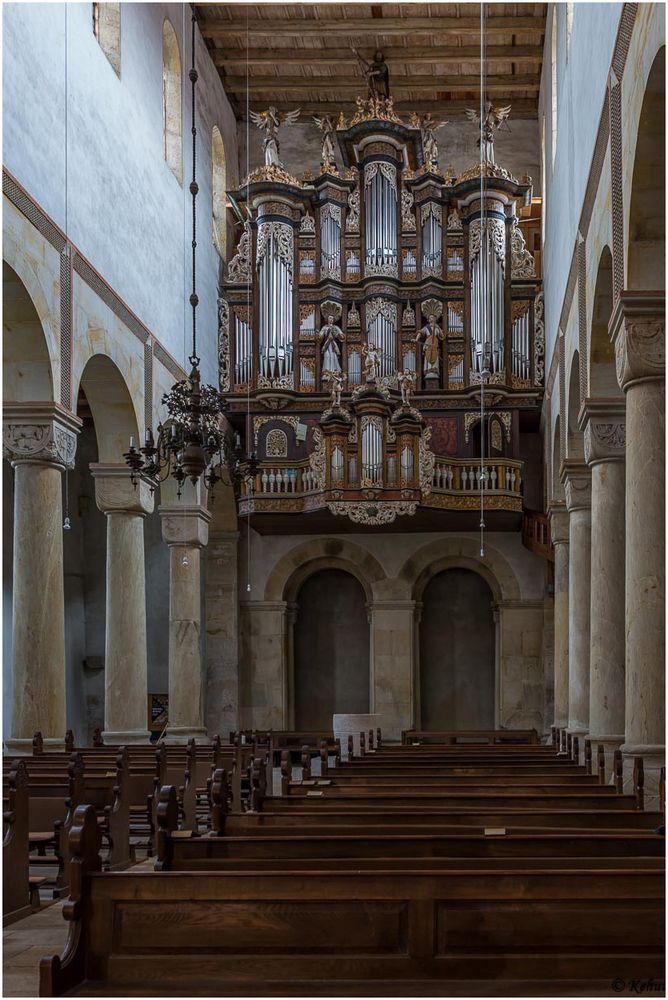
{"x":115,"y":415}
{"x":303,"y":561}
{"x":16,"y":259}
{"x":461,"y":553}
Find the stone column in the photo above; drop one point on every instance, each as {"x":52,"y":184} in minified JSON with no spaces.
{"x":221,"y":702}
{"x":559,"y":529}
{"x":392,"y":665}
{"x":40,"y":442}
{"x":605,"y":442}
{"x":185,"y":529}
{"x":125,"y":666}
{"x":638,"y":331}
{"x":576,"y":478}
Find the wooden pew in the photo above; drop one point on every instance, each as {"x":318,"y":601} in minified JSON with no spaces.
{"x":454,"y":737}
{"x":378,"y":932}
{"x":15,"y":849}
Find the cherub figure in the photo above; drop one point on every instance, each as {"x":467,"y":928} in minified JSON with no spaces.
{"x":371,"y":362}
{"x":428,"y":127}
{"x":493,"y":120}
{"x":269,"y":122}
{"x":377,"y":75}
{"x":336,"y":386}
{"x":326,"y":126}
{"x":406,"y":380}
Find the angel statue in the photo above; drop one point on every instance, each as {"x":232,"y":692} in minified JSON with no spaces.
{"x":377,"y":75}
{"x":493,"y":120}
{"x":431,"y":334}
{"x":331,"y":336}
{"x":269,"y":122}
{"x":336,"y":385}
{"x":371,"y":362}
{"x":428,"y":127}
{"x":326,"y":126}
{"x":406,"y":380}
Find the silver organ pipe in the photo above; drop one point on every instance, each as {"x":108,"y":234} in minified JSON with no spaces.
{"x":306,"y":376}
{"x":243,"y":351}
{"x":380,"y":205}
{"x":354,"y":368}
{"x":456,"y":373}
{"x":455,"y":322}
{"x":330,"y":241}
{"x":336,"y":465}
{"x":409,"y":361}
{"x":372,"y":453}
{"x":382,"y":334}
{"x":406,"y":464}
{"x":487,"y":297}
{"x":520,"y":342}
{"x":274,"y":261}
{"x":431,"y":240}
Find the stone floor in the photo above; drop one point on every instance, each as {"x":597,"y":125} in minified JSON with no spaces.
{"x":26,"y":941}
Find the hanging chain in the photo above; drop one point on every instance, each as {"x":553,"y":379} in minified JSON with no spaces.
{"x":194,"y":360}
{"x":484,"y":271}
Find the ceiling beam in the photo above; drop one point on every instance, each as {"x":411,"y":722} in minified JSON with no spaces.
{"x":344,"y":85}
{"x":418,"y":56}
{"x":371,"y":27}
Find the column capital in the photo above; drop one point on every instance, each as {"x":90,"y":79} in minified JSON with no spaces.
{"x":576,"y":477}
{"x":114,"y":492}
{"x":184,"y":524}
{"x":603,"y":422}
{"x":558,"y":517}
{"x":638,"y":331}
{"x":43,"y":433}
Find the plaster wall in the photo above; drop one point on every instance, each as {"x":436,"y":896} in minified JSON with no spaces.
{"x":125,"y":209}
{"x":582,"y":74}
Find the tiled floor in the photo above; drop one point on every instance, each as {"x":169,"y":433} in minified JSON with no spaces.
{"x":26,"y":941}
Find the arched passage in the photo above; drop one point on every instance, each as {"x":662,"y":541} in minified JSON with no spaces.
{"x":457,"y":652}
{"x":111,"y":407}
{"x":574,"y":440}
{"x":26,"y":368}
{"x":331,"y":649}
{"x":647,"y":221}
{"x":602,"y":375}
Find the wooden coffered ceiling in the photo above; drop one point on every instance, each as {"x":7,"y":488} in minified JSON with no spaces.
{"x":299,"y":55}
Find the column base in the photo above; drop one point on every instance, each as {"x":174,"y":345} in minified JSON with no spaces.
{"x":653,"y":758}
{"x":181,"y":735}
{"x":17,"y":747}
{"x":120,"y":737}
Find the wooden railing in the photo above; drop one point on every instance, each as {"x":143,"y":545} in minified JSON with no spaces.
{"x":536,"y":534}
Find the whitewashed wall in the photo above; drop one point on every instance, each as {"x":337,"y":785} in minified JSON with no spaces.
{"x":126,"y":211}
{"x":583,"y":63}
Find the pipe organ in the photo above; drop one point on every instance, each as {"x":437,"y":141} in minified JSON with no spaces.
{"x":429,"y":291}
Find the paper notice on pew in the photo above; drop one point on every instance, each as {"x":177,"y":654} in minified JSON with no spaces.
{"x":494,"y":831}
{"x":181,"y":834}
{"x":319,"y":794}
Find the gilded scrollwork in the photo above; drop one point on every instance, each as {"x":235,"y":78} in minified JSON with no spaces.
{"x":353,"y":215}
{"x":283,"y":237}
{"x":224,"y":376}
{"x":427,"y":461}
{"x":373,"y":512}
{"x":317,"y":458}
{"x":539,"y":340}
{"x":387,"y":170}
{"x":523,"y":264}
{"x":239,"y":268}
{"x":407,"y":214}
{"x":381,"y":307}
{"x":496,"y":233}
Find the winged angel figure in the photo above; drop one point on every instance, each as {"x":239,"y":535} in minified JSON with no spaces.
{"x":326,"y":126}
{"x":493,"y":120}
{"x":269,"y":122}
